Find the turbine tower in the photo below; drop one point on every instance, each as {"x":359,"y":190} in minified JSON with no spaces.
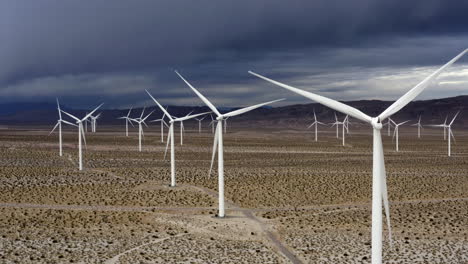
{"x":395,"y":132}
{"x":127,"y":120}
{"x":315,"y":123}
{"x":379,"y":182}
{"x":81,"y":134}
{"x":418,"y":124}
{"x":218,"y":139}
{"x":59,"y":125}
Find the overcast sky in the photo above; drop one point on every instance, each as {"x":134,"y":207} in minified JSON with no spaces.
{"x":89,"y":51}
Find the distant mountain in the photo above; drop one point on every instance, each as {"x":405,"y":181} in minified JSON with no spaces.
{"x":294,"y":116}
{"x":13,"y":108}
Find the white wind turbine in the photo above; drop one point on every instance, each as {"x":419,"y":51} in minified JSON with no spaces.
{"x":163,"y":123}
{"x":93,"y":122}
{"x":444,"y":126}
{"x":218,"y":139}
{"x":59,"y":125}
{"x":379,"y":182}
{"x":395,"y":132}
{"x":170,"y":135}
{"x":418,"y":124}
{"x":81,"y":134}
{"x":389,"y":125}
{"x":448,"y":131}
{"x":140,"y":121}
{"x":450,"y":134}
{"x":315,"y":123}
{"x":343,"y":124}
{"x":199,"y":123}
{"x":127,"y":120}
{"x":212,"y":124}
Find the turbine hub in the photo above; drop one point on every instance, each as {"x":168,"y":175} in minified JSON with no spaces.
{"x":219,"y":118}
{"x":376,"y":124}
{"x":171,"y":121}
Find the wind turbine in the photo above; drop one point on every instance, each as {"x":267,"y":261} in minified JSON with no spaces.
{"x":93,"y":122}
{"x":141,"y":121}
{"x":170,"y":135}
{"x":163,"y":123}
{"x":218,"y":139}
{"x":379,"y":182}
{"x":395,"y":132}
{"x":81,"y":133}
{"x":419,"y":126}
{"x":59,"y":125}
{"x":315,"y":123}
{"x":336,"y":123}
{"x":127,"y":120}
{"x":343,"y":124}
{"x":389,"y":125}
{"x":199,"y":123}
{"x":444,"y":126}
{"x":450,"y":134}
{"x":212,"y":124}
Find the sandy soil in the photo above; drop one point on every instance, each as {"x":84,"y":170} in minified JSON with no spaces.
{"x":289,"y":200}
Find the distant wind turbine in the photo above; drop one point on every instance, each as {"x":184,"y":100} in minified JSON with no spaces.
{"x":141,"y":120}
{"x":395,"y":132}
{"x":418,"y":124}
{"x":163,"y":123}
{"x":315,"y":123}
{"x":170,"y":135}
{"x":127,"y":120}
{"x":389,"y":125}
{"x":379,"y":182}
{"x":199,"y":123}
{"x":59,"y":125}
{"x":218,"y":139}
{"x":81,"y":134}
{"x":448,"y":131}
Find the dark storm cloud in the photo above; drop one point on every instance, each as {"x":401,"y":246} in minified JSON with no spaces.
{"x":115,"y":48}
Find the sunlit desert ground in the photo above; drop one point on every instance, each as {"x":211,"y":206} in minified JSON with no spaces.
{"x":289,"y":199}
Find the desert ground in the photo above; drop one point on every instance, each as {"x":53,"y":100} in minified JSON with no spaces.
{"x":289,"y":199}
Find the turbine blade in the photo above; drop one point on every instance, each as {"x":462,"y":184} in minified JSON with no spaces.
{"x":312,"y":124}
{"x":130,"y":110}
{"x":92,"y":112}
{"x":190,"y":116}
{"x":142,"y":112}
{"x":215,"y":148}
{"x":249,"y":108}
{"x":404,"y":122}
{"x":415,"y":91}
{"x":160,"y":106}
{"x":68,"y":123}
{"x":56,"y":125}
{"x":454,"y":118}
{"x":346,"y":109}
{"x":203,"y":98}
{"x":451,"y":133}
{"x":147,"y":116}
{"x":70,"y":115}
